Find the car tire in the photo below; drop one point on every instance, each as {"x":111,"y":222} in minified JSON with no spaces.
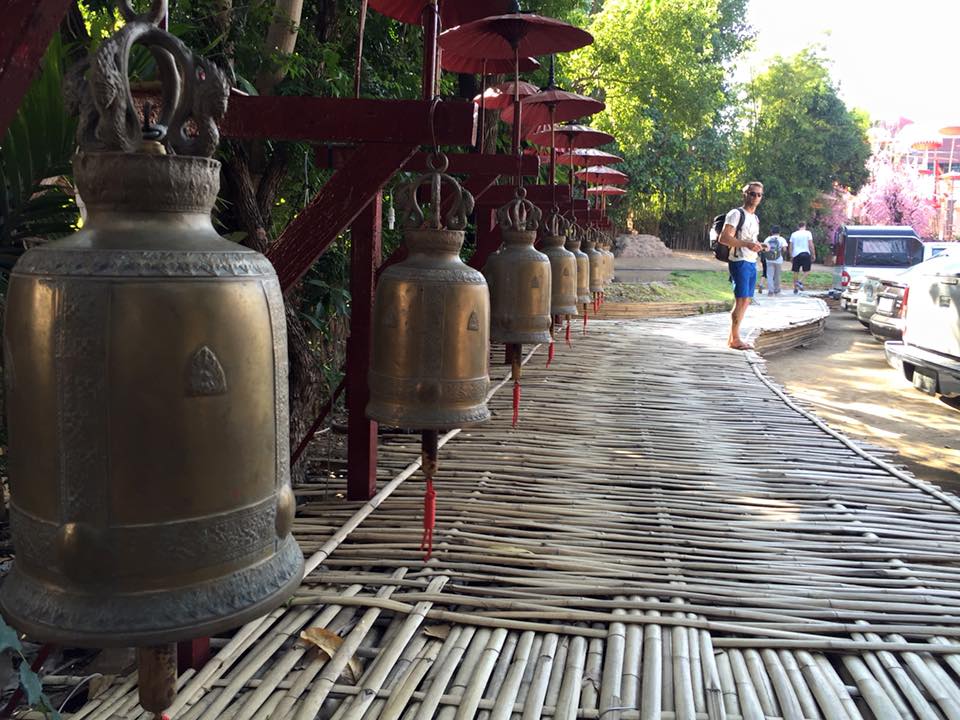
{"x":864,"y":323}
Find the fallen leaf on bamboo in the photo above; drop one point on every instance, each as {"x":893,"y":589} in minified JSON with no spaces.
{"x":328,"y":643}
{"x":99,"y":684}
{"x":509,"y":549}
{"x":439,"y":632}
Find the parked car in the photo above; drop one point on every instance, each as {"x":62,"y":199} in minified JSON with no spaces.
{"x":929,"y":354}
{"x":886,"y":323}
{"x":867,"y":296}
{"x":880,"y":251}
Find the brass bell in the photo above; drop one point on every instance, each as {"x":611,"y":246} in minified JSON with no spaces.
{"x":609,"y":257}
{"x":431,"y":321}
{"x":596,"y":264}
{"x":146,"y":369}
{"x":563,"y":267}
{"x":519,"y":277}
{"x":583,"y":265}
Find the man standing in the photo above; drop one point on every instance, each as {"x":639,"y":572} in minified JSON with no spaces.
{"x":803,"y":254}
{"x":740,"y":232}
{"x":773,"y":250}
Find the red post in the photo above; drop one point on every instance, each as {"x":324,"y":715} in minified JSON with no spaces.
{"x":365,"y":238}
{"x":192,"y":654}
{"x":488,"y":236}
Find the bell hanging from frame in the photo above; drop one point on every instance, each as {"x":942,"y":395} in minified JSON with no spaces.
{"x":563,"y":267}
{"x":431,"y":319}
{"x":595,"y":258}
{"x":583,"y":264}
{"x":519,"y":277}
{"x":146,"y":369}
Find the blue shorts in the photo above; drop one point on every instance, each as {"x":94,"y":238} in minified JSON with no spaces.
{"x":744,"y":276}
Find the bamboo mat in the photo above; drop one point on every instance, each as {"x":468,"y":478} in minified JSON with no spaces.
{"x":663,"y":536}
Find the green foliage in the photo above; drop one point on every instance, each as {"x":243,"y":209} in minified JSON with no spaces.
{"x":662,"y":66}
{"x":35,"y":153}
{"x":802,"y":140}
{"x":29,"y":680}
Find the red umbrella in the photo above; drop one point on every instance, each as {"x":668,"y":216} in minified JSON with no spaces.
{"x":585,"y":157}
{"x":460,"y":64}
{"x":452,"y":12}
{"x":570,"y":136}
{"x":551,"y":106}
{"x":606,"y":190}
{"x":601,"y":174}
{"x":501,"y":96}
{"x":513,"y":35}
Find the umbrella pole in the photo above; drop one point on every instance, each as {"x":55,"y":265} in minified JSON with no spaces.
{"x":516,"y":113}
{"x":483,"y":106}
{"x":360,"y":29}
{"x":553,"y":154}
{"x":431,"y":26}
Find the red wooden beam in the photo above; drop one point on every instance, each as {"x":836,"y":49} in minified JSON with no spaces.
{"x":337,"y":204}
{"x":365,"y":240}
{"x":336,"y":156}
{"x":478,"y":163}
{"x":502,"y":194}
{"x":349,"y":120}
{"x":28,"y":26}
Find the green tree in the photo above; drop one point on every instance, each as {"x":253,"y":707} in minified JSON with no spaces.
{"x":662,"y":67}
{"x":801,"y":140}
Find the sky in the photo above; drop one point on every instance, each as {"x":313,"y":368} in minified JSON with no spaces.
{"x":891,"y":58}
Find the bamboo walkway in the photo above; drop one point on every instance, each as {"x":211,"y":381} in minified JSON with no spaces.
{"x":665,"y":535}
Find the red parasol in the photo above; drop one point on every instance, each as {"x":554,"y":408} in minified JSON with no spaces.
{"x":501,"y":96}
{"x":605,"y":175}
{"x":562,"y":105}
{"x":459,"y":64}
{"x":584,"y":157}
{"x":513,"y":35}
{"x":452,"y":12}
{"x":570,"y":136}
{"x":606,"y":190}
{"x":503,"y":37}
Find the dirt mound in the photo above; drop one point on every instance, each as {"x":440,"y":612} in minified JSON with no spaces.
{"x":645,"y":246}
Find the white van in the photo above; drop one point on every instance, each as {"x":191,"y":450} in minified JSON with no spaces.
{"x":880,"y":251}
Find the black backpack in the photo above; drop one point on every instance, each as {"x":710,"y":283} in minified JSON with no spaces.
{"x":722,"y":252}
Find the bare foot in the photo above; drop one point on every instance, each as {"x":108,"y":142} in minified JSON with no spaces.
{"x":740,"y":345}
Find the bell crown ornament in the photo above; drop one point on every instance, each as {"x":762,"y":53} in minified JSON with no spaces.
{"x":431,"y":317}
{"x":146,"y":378}
{"x":519,"y":215}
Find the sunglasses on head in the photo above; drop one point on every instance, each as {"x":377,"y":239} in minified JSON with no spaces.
{"x":752,"y":193}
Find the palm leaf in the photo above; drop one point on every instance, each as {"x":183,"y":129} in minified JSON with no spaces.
{"x":38,"y":146}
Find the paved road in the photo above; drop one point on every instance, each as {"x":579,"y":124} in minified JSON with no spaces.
{"x":645,"y":269}
{"x":844,"y":379}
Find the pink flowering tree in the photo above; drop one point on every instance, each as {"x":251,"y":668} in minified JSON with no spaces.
{"x":893,"y":197}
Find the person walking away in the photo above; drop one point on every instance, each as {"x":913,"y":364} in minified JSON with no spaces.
{"x":774,"y":247}
{"x":744,"y":250}
{"x":802,"y":253}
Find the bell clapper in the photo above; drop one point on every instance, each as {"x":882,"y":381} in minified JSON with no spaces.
{"x":428,"y":463}
{"x":553,"y":325}
{"x":585,"y":315}
{"x":567,"y":334}
{"x":157,"y":671}
{"x":515,"y":368}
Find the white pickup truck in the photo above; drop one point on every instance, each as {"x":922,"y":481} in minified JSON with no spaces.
{"x":929,"y":354}
{"x":880,"y":251}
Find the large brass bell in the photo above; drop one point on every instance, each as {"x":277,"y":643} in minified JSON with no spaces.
{"x":519,"y":277}
{"x":146,"y":369}
{"x":431,"y":325}
{"x":596,"y":266}
{"x":431,"y":320}
{"x":563,"y":268}
{"x":583,"y":265}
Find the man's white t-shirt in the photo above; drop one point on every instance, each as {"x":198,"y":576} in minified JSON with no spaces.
{"x":800,"y":242}
{"x":748,"y":233}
